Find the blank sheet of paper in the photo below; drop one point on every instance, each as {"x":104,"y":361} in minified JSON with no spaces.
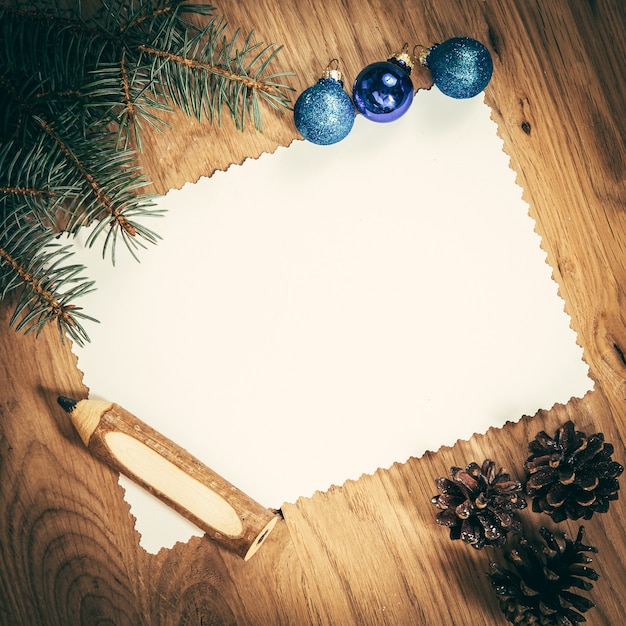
{"x":321,"y":312}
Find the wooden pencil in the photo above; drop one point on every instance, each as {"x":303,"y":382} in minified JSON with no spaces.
{"x":151,"y":460}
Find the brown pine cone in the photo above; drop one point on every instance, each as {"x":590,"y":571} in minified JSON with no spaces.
{"x":571,"y":475}
{"x":537,"y":592}
{"x":478,"y":504}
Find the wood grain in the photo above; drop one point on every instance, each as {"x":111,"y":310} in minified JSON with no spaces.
{"x":368,"y":552}
{"x":63,"y":560}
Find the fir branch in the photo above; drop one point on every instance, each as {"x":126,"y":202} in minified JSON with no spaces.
{"x":191,"y":64}
{"x":104,"y":200}
{"x":57,"y":47}
{"x":132,"y":105}
{"x":35,"y":268}
{"x":26,"y":192}
{"x":122,"y":16}
{"x":33,"y":180}
{"x":98,"y":181}
{"x":96,"y":189}
{"x":76,"y":92}
{"x":197,"y":70}
{"x":209,"y":72}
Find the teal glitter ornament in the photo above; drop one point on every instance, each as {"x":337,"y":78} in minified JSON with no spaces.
{"x":461,"y":67}
{"x":324,"y":113}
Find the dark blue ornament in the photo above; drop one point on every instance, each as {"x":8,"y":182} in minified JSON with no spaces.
{"x":324,"y":113}
{"x":461,"y":67}
{"x":383,"y":91}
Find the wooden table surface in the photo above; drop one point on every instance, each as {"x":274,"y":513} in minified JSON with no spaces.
{"x":370,"y":551}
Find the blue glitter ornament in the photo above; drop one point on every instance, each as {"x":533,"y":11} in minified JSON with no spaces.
{"x":324,"y":113}
{"x":461,"y":67}
{"x":383,"y":91}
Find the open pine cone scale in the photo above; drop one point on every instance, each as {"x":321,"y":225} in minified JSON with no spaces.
{"x":571,"y":475}
{"x":537,"y":591}
{"x":477,"y":504}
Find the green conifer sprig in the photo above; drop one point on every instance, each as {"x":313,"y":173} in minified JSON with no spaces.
{"x":77,"y":91}
{"x":44,"y":279}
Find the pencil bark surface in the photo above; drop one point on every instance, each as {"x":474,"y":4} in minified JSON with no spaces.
{"x":131,"y":447}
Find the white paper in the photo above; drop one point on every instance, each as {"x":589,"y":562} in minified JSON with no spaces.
{"x":321,"y":312}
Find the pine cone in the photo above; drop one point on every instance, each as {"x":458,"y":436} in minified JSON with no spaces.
{"x":571,"y":475}
{"x":478,"y":504}
{"x":538,"y":590}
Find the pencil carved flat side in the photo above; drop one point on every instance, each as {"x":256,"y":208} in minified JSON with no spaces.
{"x":130,"y":446}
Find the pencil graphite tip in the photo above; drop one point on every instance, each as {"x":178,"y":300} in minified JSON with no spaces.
{"x":67,"y":404}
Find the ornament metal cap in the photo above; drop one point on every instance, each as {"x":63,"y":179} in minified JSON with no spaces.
{"x":403,"y":58}
{"x":332,"y":73}
{"x":423,"y":53}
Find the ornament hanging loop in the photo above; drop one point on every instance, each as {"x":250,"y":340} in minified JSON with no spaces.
{"x":332,"y":70}
{"x":404,"y":57}
{"x":420,"y":52}
{"x":405,"y":49}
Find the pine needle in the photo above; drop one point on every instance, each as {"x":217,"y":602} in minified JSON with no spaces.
{"x":76,"y":93}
